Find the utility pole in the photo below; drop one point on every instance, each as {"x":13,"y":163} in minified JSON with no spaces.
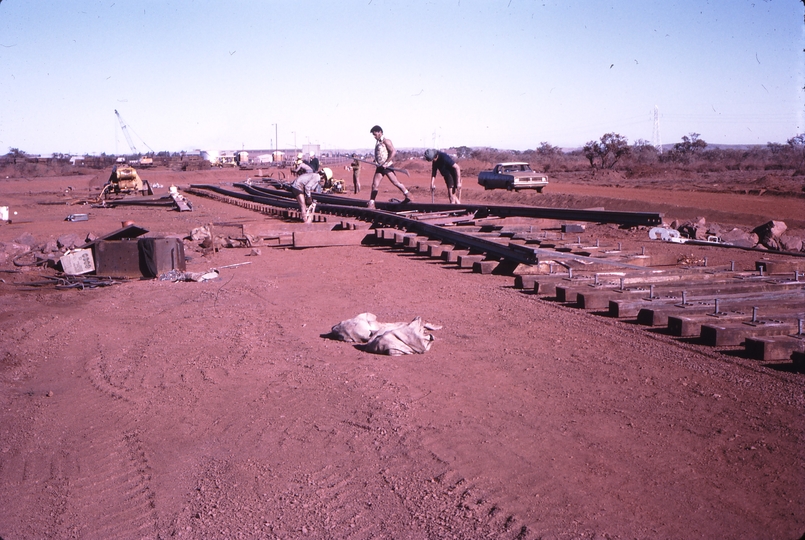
{"x":276,"y":140}
{"x":656,"y":140}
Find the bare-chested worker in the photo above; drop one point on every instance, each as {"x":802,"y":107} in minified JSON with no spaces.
{"x":384,"y":159}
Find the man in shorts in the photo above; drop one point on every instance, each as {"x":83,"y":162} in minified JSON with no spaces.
{"x":384,"y":159}
{"x":450,"y":171}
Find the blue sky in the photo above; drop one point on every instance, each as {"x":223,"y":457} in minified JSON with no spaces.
{"x":198,"y":74}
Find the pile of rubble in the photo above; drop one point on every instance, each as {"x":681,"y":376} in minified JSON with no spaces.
{"x":773,"y":235}
{"x":26,"y":251}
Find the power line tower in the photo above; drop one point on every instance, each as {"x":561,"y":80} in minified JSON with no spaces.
{"x":656,"y":140}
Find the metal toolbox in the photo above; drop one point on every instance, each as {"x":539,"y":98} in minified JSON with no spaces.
{"x":142,"y":257}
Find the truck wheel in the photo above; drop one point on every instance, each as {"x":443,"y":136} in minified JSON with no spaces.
{"x":539,"y":190}
{"x":509,"y":187}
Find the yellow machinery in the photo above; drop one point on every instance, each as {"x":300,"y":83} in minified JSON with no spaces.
{"x":124,"y":179}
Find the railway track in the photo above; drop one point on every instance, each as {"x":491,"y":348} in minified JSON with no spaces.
{"x":757,"y":314}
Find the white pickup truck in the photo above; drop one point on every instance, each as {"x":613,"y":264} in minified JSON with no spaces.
{"x":512,"y":176}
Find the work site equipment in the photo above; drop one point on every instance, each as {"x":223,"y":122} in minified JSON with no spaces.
{"x":125,"y":129}
{"x":124,"y":179}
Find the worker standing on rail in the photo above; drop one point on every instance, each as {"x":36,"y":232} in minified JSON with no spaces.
{"x":450,"y":171}
{"x":356,"y":173}
{"x":384,"y":159}
{"x":305,"y":185}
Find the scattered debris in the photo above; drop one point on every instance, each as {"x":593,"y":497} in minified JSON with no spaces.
{"x":740,"y":238}
{"x":176,"y":275}
{"x":77,"y":217}
{"x":232,"y":265}
{"x":68,"y":241}
{"x":696,"y":230}
{"x":773,"y":235}
{"x":668,"y":235}
{"x":73,"y":282}
{"x":31,"y":258}
{"x":769,"y":234}
{"x":408,"y":339}
{"x":77,"y":261}
{"x":27,"y":239}
{"x":10,"y":250}
{"x":573,"y":228}
{"x":182,"y":203}
{"x":385,"y":338}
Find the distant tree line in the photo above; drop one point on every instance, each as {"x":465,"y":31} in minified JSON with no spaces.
{"x":16,"y":162}
{"x":613,"y":152}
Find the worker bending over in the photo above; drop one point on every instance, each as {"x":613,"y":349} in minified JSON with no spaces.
{"x":307,"y":183}
{"x":450,"y":171}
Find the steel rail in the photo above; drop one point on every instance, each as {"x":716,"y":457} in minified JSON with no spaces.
{"x":485,"y":210}
{"x":382,"y":218}
{"x":511,"y":252}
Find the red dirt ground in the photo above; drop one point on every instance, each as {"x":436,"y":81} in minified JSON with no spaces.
{"x":153,"y":409}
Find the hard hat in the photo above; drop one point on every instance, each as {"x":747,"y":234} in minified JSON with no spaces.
{"x":300,"y":155}
{"x":328,"y":173}
{"x":312,"y":154}
{"x":430,"y":154}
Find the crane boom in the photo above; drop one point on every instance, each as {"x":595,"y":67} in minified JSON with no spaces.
{"x":126,"y":133}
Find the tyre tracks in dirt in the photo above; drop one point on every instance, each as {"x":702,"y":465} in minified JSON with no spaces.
{"x":363,"y":472}
{"x":81,"y":456}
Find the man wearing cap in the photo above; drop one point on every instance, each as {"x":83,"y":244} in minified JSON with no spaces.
{"x":450,"y":171}
{"x":384,"y":158}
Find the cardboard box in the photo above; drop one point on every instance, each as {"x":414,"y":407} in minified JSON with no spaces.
{"x":77,"y":261}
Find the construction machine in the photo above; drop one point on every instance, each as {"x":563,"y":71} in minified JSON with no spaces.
{"x":124,"y":179}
